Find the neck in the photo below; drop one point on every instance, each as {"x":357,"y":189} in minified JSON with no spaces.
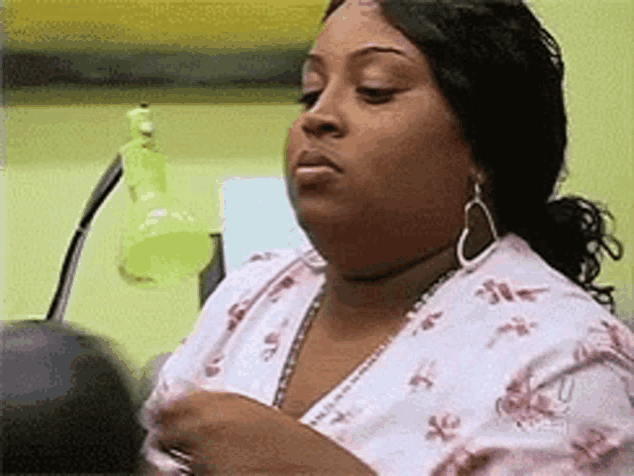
{"x":357,"y":305}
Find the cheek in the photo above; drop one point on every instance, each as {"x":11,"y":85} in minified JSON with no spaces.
{"x":291,"y":145}
{"x":419,"y":158}
{"x":420,"y":148}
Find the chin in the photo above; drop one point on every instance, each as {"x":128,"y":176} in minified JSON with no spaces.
{"x":322,"y":212}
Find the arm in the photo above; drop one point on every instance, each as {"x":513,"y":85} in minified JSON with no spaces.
{"x":226,"y":433}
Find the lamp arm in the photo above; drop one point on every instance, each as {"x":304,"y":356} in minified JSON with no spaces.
{"x":106,"y":185}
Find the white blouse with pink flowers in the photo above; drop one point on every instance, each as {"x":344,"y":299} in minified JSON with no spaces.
{"x":508,"y":369}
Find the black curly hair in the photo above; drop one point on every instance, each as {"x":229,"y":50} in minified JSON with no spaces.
{"x":502,"y":72}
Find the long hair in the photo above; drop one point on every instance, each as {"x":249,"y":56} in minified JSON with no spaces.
{"x":502,"y":73}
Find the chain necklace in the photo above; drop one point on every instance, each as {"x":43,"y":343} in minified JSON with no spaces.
{"x":291,"y":361}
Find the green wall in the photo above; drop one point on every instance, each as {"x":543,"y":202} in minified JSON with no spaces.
{"x":597,"y":38}
{"x":56,"y":155}
{"x":57,"y":149}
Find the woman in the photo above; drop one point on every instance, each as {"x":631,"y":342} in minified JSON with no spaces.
{"x":444,"y":323}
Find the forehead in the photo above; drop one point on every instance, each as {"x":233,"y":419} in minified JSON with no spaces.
{"x":357,"y":24}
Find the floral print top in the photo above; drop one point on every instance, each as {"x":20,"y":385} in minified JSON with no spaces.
{"x":508,"y":369}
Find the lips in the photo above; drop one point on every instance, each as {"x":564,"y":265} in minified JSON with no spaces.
{"x":316,"y":158}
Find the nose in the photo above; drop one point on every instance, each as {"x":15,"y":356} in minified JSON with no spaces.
{"x":319,"y":123}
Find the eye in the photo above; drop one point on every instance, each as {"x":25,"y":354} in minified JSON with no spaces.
{"x":309,"y":99}
{"x":372,"y":96}
{"x":377,"y":96}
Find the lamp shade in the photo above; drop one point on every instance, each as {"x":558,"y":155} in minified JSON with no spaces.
{"x":162,"y":243}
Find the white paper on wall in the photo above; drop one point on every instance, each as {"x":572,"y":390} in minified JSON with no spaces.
{"x":257,"y":217}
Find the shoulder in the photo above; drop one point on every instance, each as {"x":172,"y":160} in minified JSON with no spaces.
{"x":517,"y":274}
{"x":256,"y":271}
{"x":523,"y":306}
{"x":239,"y":289}
{"x":571,"y":328}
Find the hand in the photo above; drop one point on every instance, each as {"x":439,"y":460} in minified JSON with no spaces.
{"x":226,"y":433}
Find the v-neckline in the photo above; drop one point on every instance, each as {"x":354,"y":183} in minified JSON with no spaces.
{"x":361,"y":366}
{"x":326,"y":363}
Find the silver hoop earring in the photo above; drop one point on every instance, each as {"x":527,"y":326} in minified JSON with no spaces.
{"x":464,"y":262}
{"x":314,"y":260}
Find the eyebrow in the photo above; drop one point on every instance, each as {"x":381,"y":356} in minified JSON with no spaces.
{"x":357,"y":54}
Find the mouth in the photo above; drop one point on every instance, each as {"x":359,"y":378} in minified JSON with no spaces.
{"x":310,"y":158}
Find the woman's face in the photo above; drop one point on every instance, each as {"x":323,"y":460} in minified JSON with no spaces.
{"x":374,"y":109}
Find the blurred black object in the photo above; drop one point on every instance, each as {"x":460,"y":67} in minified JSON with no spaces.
{"x":69,"y":403}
